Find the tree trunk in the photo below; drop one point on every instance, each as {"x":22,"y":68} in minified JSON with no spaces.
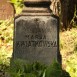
{"x":67,"y":12}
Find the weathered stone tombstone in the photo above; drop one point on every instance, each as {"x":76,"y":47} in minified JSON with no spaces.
{"x":36,"y":33}
{"x":6,"y":10}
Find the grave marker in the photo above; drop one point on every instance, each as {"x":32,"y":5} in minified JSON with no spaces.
{"x":36,"y":33}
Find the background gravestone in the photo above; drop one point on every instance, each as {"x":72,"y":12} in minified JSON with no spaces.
{"x":36,"y":33}
{"x":6,"y":10}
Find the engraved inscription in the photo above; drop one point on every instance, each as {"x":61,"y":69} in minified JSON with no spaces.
{"x":36,"y":38}
{"x":36,"y":44}
{"x":35,"y":34}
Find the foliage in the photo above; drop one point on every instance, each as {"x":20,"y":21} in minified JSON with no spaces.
{"x":21,"y":68}
{"x":68,"y":44}
{"x":6,"y":37}
{"x":18,"y":4}
{"x":54,"y":70}
{"x":68,"y":50}
{"x":72,"y":65}
{"x":74,"y":19}
{"x":68,"y":41}
{"x":75,"y":46}
{"x":4,"y":61}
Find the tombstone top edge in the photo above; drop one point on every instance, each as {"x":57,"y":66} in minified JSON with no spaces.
{"x":36,"y":1}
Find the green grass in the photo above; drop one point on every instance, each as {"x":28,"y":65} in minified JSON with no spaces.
{"x":68,"y":48}
{"x":21,"y":68}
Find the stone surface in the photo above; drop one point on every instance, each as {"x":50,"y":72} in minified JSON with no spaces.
{"x":36,"y":33}
{"x":6,"y":9}
{"x":36,"y":38}
{"x":37,"y":3}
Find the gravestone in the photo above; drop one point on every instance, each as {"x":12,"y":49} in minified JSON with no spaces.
{"x":6,"y":10}
{"x":36,"y":33}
